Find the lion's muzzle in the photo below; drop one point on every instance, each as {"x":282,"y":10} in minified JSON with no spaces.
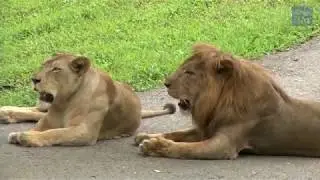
{"x":184,"y":104}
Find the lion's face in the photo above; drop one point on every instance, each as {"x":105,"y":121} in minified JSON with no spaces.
{"x":186,"y":82}
{"x":200,"y":75}
{"x":60,"y":76}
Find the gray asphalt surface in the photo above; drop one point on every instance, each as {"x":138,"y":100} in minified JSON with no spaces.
{"x":297,"y":70}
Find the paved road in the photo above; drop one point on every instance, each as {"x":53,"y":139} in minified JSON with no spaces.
{"x":297,"y":70}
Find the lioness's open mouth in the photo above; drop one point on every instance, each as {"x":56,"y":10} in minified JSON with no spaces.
{"x":46,"y":97}
{"x":184,"y":104}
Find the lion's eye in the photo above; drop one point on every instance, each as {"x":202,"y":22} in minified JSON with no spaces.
{"x":189,"y":72}
{"x":56,"y":69}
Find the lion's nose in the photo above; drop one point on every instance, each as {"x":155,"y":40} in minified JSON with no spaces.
{"x":35,"y":80}
{"x":167,"y":84}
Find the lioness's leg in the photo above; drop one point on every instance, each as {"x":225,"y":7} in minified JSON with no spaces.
{"x":79,"y":131}
{"x":12,"y":114}
{"x":43,"y":124}
{"x":113,"y":134}
{"x":186,"y":135}
{"x":77,"y":135}
{"x":218,"y":147}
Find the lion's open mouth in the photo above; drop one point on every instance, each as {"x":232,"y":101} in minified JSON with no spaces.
{"x":46,"y":97}
{"x":184,"y":104}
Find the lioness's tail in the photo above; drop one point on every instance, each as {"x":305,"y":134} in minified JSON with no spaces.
{"x":168,"y":108}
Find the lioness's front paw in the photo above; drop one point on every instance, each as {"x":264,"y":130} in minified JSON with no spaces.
{"x":6,"y":115}
{"x":23,"y":139}
{"x":157,"y":146}
{"x":14,"y":138}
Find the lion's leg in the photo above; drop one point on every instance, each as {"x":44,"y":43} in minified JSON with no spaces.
{"x":12,"y":114}
{"x":77,"y":135}
{"x":186,"y":135}
{"x":218,"y":147}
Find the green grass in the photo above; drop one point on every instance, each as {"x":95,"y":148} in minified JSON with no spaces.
{"x":136,"y":41}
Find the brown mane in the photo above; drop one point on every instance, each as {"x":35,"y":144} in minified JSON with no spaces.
{"x":236,"y":94}
{"x":236,"y":107}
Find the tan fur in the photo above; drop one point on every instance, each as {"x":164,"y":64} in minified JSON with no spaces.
{"x":87,"y":106}
{"x":236,"y":107}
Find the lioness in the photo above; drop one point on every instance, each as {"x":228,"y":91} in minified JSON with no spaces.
{"x":83,"y":105}
{"x":235,"y":106}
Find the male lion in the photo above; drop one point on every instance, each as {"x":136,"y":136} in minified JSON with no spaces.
{"x":235,"y":106}
{"x":83,"y":105}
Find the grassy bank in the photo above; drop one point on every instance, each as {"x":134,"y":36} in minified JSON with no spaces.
{"x":138,"y":41}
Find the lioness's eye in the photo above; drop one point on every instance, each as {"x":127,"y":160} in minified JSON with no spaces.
{"x":56,"y":69}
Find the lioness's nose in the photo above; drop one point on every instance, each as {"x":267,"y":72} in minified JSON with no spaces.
{"x":35,"y":80}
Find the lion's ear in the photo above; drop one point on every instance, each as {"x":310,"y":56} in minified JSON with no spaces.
{"x":80,"y":65}
{"x":58,"y":53}
{"x":204,"y":48}
{"x":226,"y":65}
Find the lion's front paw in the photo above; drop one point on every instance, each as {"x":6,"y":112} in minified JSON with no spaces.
{"x":157,"y":146}
{"x":143,"y":136}
{"x":140,"y":137}
{"x":23,"y":139}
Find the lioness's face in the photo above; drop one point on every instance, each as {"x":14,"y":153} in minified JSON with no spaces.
{"x":60,"y":75}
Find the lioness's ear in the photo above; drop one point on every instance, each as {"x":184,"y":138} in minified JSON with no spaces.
{"x":80,"y":64}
